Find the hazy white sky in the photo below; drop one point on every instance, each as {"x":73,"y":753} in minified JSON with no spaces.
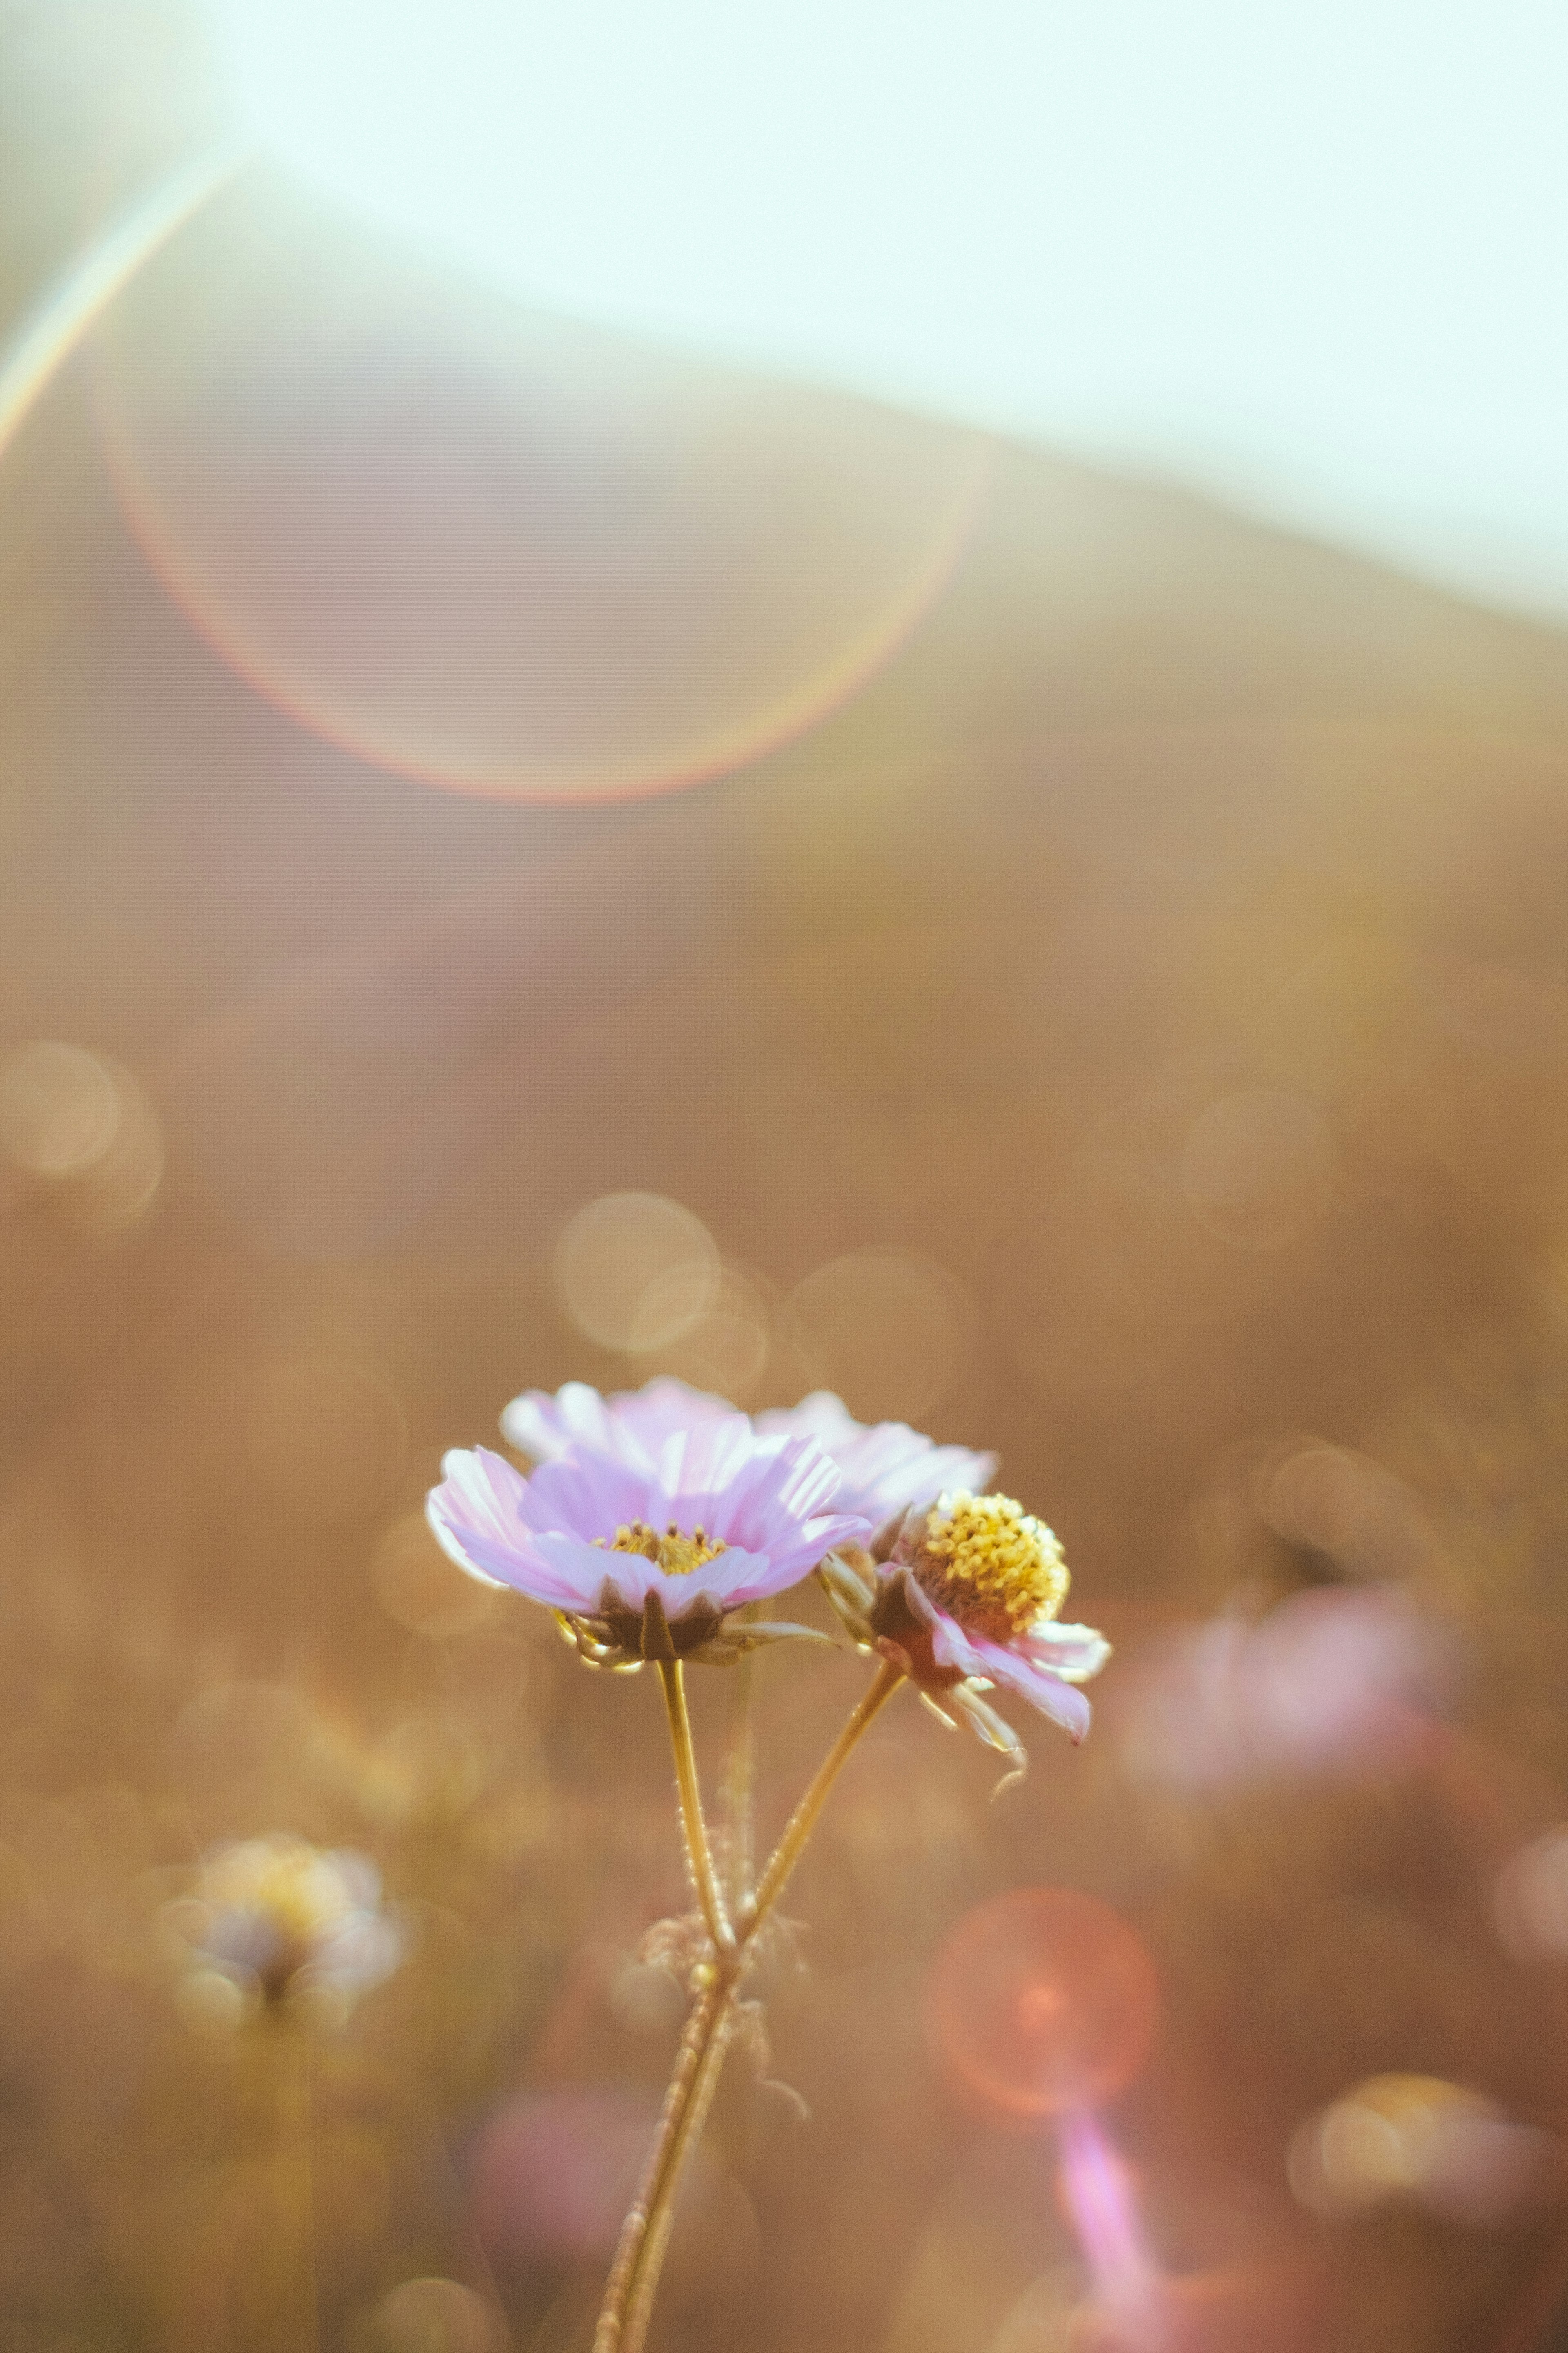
{"x":1313,"y":257}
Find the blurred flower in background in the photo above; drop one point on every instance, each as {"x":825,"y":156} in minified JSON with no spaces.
{"x":1335,"y":1682}
{"x":276,"y":1922}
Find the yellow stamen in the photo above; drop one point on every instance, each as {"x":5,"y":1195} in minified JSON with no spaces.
{"x":990,"y":1565}
{"x":676,"y":1554}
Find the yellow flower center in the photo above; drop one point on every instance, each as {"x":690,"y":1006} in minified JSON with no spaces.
{"x":990,"y":1565}
{"x":676,"y":1554}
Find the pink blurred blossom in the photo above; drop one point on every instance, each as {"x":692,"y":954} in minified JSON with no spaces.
{"x":1330,"y":1681}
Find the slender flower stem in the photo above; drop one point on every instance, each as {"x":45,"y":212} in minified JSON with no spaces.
{"x":290,"y":2051}
{"x":645,"y":2236}
{"x":710,"y":1894}
{"x":649,"y":2265}
{"x":656,"y":2190}
{"x":803,"y":1821}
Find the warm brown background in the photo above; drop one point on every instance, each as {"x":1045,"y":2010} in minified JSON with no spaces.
{"x":1158,"y":951}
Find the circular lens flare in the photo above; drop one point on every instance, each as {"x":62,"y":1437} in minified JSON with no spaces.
{"x":636,"y":1271}
{"x":1042,"y":2002}
{"x":495,"y":549}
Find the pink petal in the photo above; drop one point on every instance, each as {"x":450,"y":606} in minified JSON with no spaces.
{"x":728,"y":1581}
{"x":1074,"y":1653}
{"x":699,"y":1462}
{"x":974,"y":1654}
{"x":544,"y":1427}
{"x":885,"y":1467}
{"x":663,"y":1406}
{"x":631,"y":1426}
{"x":1062,"y":1702}
{"x":476,"y":1514}
{"x":821,"y":1415}
{"x":591,"y":1495}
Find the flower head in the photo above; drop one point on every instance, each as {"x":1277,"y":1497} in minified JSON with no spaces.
{"x":965,"y":1596}
{"x":644,"y":1548}
{"x":278,"y":1919}
{"x":885,"y":1468}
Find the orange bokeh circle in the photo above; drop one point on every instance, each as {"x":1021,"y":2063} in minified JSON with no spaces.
{"x":1041,"y":2001}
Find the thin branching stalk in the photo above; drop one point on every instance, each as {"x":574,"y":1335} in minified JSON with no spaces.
{"x":645,"y":2236}
{"x":656,"y":2242}
{"x":291,"y":2054}
{"x":803,"y":1821}
{"x":654,"y":2193}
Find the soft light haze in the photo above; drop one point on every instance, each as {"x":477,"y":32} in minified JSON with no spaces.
{"x":1312,"y":259}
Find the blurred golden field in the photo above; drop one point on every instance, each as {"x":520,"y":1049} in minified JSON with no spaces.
{"x":1091,"y":974}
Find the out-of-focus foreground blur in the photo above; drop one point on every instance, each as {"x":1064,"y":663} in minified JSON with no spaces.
{"x":524,"y":858}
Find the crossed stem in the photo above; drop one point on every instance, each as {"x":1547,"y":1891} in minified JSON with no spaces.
{"x":644,"y":2234}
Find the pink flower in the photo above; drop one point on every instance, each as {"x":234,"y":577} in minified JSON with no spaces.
{"x":644,"y":1551}
{"x":885,"y":1468}
{"x":965,"y":1596}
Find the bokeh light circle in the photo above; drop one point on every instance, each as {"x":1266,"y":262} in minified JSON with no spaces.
{"x":1258,"y":1167}
{"x":634,"y":1271}
{"x":432,"y":2316}
{"x":496,"y":550}
{"x":81,"y":1132}
{"x":1419,"y":2139}
{"x":59,"y":1109}
{"x":885,"y":1329}
{"x":1042,"y":2000}
{"x":725,"y":1348}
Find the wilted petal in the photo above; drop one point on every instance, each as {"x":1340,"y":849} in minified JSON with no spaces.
{"x":1074,"y":1653}
{"x":1062,"y":1702}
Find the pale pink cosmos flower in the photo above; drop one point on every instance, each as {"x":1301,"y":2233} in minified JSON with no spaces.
{"x":886,"y":1468}
{"x":964,"y":1596}
{"x":644,"y":1552}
